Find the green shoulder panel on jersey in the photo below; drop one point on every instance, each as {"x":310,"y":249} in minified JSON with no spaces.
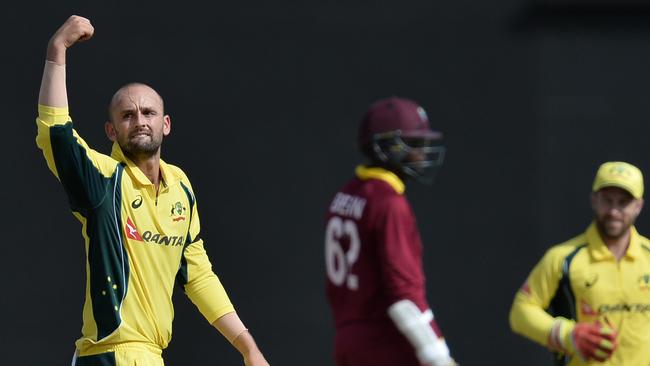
{"x":83,"y":181}
{"x":645,"y":246}
{"x":563,"y":302}
{"x":102,"y":359}
{"x":92,"y":182}
{"x":645,"y":243}
{"x":181,"y":276}
{"x":107,"y":259}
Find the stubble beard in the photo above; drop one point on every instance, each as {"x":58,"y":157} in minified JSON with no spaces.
{"x":142,"y":149}
{"x":612,"y":232}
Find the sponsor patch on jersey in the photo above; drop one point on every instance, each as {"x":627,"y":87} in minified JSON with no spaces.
{"x":131,"y":230}
{"x":151,"y":237}
{"x":586,"y":309}
{"x":624,"y":308}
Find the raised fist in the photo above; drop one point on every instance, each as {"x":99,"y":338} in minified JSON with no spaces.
{"x":75,"y":29}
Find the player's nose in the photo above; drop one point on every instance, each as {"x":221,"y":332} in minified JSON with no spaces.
{"x":615,"y":211}
{"x":138,"y":118}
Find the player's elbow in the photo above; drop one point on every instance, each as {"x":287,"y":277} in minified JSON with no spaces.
{"x":515,"y":317}
{"x":520,"y":319}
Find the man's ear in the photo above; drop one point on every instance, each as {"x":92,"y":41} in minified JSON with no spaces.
{"x":167,"y":125}
{"x":110,"y":131}
{"x":639,"y":205}
{"x":594,"y":199}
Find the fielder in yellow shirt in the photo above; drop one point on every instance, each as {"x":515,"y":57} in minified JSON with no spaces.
{"x":139,"y":220}
{"x":588,"y":299}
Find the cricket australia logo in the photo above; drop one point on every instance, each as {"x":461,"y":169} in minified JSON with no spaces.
{"x":620,"y":171}
{"x":178,"y":212}
{"x":644,"y":282}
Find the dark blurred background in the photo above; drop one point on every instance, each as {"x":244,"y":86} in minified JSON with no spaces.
{"x":265,"y":98}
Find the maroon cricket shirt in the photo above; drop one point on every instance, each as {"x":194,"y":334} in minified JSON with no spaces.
{"x":373,"y":256}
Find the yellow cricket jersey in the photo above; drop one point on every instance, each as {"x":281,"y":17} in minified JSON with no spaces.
{"x":581,"y":281}
{"x":139,"y":243}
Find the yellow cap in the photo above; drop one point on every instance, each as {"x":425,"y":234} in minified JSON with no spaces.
{"x":622,"y":175}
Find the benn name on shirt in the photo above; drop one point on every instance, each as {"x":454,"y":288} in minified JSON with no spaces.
{"x":347,"y":205}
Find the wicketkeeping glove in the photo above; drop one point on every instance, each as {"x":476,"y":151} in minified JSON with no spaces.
{"x":593,"y":341}
{"x":589,"y":341}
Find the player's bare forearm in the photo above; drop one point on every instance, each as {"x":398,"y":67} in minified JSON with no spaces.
{"x":53,"y":91}
{"x":231,"y":327}
{"x":245,"y":344}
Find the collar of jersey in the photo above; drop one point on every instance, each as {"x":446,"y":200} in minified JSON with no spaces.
{"x":599,"y":250}
{"x":168,"y":176}
{"x":365,"y":173}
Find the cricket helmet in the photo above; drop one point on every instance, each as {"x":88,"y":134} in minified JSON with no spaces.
{"x":395,"y":134}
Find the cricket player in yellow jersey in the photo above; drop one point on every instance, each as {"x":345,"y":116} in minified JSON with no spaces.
{"x":588,"y":299}
{"x":139,"y":221}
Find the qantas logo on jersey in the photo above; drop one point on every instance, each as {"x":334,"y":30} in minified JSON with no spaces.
{"x":624,"y":308}
{"x":151,"y":237}
{"x":132,"y":231}
{"x":586,"y":309}
{"x":347,"y":205}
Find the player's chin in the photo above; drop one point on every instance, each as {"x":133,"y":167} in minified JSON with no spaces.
{"x":143,"y":147}
{"x":140,"y":139}
{"x":615,"y":229}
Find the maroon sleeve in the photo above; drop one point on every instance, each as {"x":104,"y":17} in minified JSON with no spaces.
{"x":400,"y":254}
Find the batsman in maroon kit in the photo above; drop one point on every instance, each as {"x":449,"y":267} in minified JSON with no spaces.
{"x":373,"y":252}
